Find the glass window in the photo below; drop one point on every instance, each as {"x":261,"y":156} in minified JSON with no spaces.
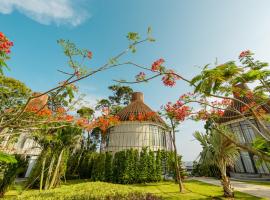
{"x":239,"y":166}
{"x":236,"y":129}
{"x":247,"y":161}
{"x":247,"y":131}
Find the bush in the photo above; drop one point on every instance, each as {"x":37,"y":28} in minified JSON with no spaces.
{"x":158,"y":171}
{"x":127,"y":167}
{"x":98,"y":171}
{"x":9,"y":169}
{"x":108,"y":167}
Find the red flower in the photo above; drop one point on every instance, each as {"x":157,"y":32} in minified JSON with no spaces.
{"x":169,"y":79}
{"x":89,"y":54}
{"x":156,"y":66}
{"x":244,"y":54}
{"x":5,"y":44}
{"x":178,"y":110}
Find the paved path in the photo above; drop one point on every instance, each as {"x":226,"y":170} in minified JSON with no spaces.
{"x":252,"y":189}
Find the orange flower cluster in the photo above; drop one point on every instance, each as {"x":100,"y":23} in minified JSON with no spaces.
{"x":104,"y":122}
{"x":141,"y":116}
{"x":39,"y":111}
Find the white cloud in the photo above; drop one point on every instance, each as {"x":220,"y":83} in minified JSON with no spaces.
{"x":48,"y":11}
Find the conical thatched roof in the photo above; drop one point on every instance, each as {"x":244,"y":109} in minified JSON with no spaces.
{"x":231,"y":112}
{"x":138,"y":107}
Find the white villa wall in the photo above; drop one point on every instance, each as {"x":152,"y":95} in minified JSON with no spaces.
{"x":136,"y":135}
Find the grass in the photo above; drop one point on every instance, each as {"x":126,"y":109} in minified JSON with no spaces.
{"x":86,"y":190}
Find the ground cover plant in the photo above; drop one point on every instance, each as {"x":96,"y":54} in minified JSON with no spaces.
{"x":83,"y":189}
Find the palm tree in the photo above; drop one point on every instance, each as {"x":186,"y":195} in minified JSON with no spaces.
{"x":218,"y":151}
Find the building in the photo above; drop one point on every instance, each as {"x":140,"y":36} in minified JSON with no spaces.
{"x":245,"y":166}
{"x":21,"y":143}
{"x":151,"y":132}
{"x":24,"y":146}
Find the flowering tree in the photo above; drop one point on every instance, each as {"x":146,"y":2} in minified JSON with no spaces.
{"x":222,"y":89}
{"x":30,"y":114}
{"x":217,"y":89}
{"x":46,"y":114}
{"x":176,"y":113}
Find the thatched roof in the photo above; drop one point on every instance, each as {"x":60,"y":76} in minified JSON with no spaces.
{"x":230,"y":114}
{"x":136,"y":107}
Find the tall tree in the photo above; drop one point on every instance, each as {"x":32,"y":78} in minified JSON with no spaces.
{"x":121,"y":96}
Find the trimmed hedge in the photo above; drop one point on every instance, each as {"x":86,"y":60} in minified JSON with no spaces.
{"x":127,"y":167}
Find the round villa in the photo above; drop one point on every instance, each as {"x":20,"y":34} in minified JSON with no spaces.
{"x":139,"y":127}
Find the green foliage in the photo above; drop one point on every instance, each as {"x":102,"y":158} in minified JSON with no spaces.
{"x":202,"y":170}
{"x":98,"y":171}
{"x":108,"y":167}
{"x":217,"y":150}
{"x":151,"y":167}
{"x":126,"y":167}
{"x":170,"y":164}
{"x":13,"y":93}
{"x":211,"y":81}
{"x":10,"y":167}
{"x":86,"y":190}
{"x":262,"y":145}
{"x":132,"y":36}
{"x":86,"y":165}
{"x":143,"y":166}
{"x":121,"y":96}
{"x":158,"y":165}
{"x":129,"y":175}
{"x":86,"y":112}
{"x":6,"y":158}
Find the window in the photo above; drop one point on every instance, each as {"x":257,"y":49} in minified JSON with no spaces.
{"x":247,"y":162}
{"x":247,"y":131}
{"x":236,"y":129}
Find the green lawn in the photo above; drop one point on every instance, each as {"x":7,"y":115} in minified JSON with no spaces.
{"x":86,"y":190}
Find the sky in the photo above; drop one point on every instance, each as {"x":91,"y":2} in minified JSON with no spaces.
{"x":189,"y":34}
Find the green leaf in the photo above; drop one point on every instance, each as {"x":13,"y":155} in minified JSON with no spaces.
{"x":133,"y":36}
{"x":6,"y":158}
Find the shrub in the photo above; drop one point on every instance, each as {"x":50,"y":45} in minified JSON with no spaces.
{"x":143,"y":166}
{"x":108,"y":167}
{"x":98,"y":171}
{"x":158,"y":171}
{"x":9,"y":169}
{"x":127,"y":167}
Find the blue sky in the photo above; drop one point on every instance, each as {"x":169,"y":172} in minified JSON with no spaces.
{"x":189,"y":35}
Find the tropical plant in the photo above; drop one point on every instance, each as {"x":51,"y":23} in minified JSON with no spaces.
{"x":56,"y":146}
{"x":219,"y":151}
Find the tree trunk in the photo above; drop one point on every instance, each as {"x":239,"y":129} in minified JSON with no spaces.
{"x":56,"y":171}
{"x":227,"y":188}
{"x":177,"y":168}
{"x":42,"y":173}
{"x":225,"y":181}
{"x":49,"y":173}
